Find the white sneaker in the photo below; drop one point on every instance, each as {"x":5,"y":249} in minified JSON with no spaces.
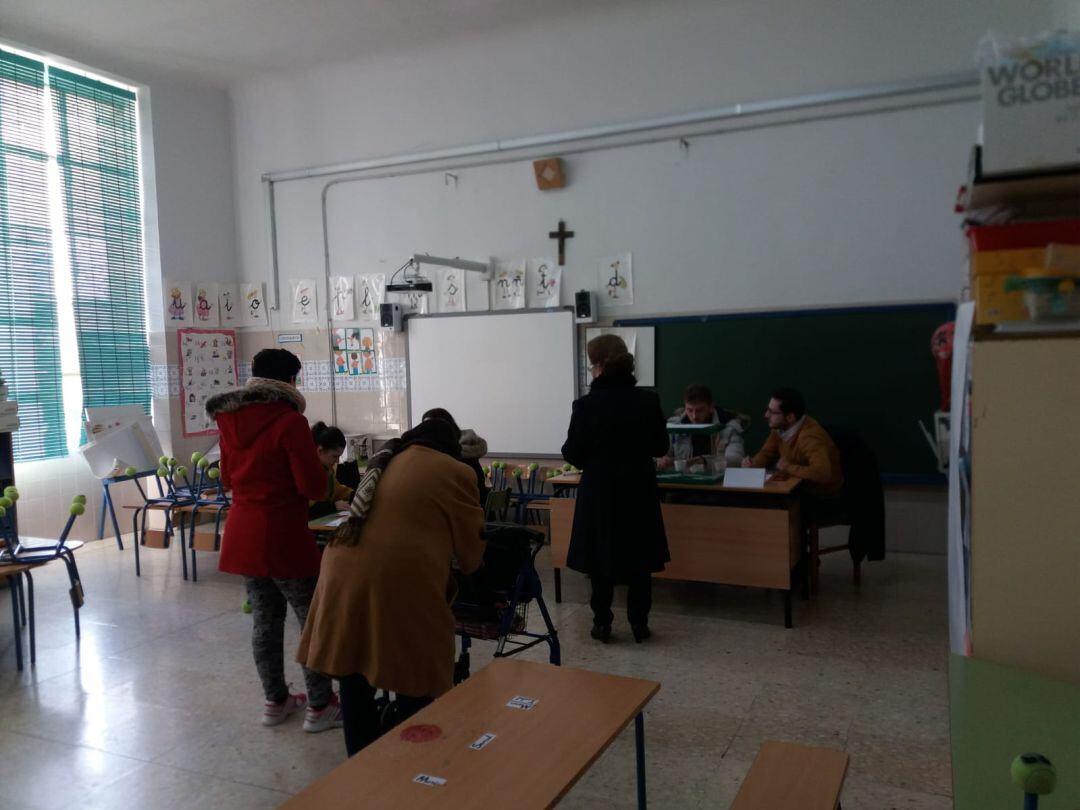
{"x":324,"y":719}
{"x":276,"y":713}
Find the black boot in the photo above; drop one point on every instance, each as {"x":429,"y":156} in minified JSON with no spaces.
{"x":601,"y":632}
{"x":641,"y":632}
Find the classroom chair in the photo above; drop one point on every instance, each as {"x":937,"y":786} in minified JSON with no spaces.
{"x":860,"y":506}
{"x":20,"y":556}
{"x":493,"y":602}
{"x":209,"y":496}
{"x":530,"y":499}
{"x":174,"y":505}
{"x":497,"y":504}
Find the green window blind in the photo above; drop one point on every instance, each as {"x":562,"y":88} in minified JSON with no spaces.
{"x":98,"y":156}
{"x":29,"y":340}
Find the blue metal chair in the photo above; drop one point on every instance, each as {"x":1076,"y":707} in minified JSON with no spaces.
{"x":21,"y":555}
{"x":209,"y":494}
{"x":172,"y":504}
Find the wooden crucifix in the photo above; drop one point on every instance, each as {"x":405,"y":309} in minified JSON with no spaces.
{"x":562,"y":235}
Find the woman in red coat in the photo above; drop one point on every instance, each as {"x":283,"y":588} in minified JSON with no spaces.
{"x":269,"y":461}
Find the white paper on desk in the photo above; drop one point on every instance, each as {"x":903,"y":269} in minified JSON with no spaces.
{"x":337,"y":521}
{"x":744,"y":477}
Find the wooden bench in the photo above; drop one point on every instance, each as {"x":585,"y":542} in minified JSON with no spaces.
{"x":786,"y":776}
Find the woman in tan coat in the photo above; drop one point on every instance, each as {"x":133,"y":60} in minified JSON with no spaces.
{"x":380,"y":617}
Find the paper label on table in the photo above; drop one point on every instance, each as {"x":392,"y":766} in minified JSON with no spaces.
{"x":337,"y":521}
{"x":521,"y":702}
{"x":480,"y":742}
{"x":745,"y":478}
{"x":426,"y":779}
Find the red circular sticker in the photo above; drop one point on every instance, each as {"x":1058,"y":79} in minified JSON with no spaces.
{"x":421,"y":733}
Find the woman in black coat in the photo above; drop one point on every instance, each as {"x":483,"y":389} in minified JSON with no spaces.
{"x":616,"y":432}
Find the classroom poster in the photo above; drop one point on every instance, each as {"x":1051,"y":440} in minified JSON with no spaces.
{"x":369,"y":294}
{"x":229,"y":304}
{"x":616,"y":281}
{"x":451,"y":285}
{"x":206,"y":304}
{"x":305,"y":301}
{"x":253,"y":305}
{"x":342,"y":303}
{"x":544,"y":279}
{"x":177,"y":304}
{"x":412,"y":303}
{"x":208,"y":365}
{"x":508,"y":290}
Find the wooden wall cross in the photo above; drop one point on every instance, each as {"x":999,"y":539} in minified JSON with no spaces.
{"x":562,"y":235}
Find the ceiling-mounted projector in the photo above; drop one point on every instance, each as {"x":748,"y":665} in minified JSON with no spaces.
{"x":413,"y":281}
{"x":411,"y":284}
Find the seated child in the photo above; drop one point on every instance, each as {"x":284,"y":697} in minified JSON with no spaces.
{"x":330,"y":442}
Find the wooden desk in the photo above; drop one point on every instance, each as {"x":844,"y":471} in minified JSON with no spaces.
{"x":751,"y":537}
{"x":535,"y":757}
{"x":786,"y":776}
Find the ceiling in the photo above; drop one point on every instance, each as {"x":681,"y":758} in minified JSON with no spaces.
{"x":220,"y":41}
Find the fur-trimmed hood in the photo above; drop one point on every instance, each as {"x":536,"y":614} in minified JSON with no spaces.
{"x":472,"y":446}
{"x":258,"y":391}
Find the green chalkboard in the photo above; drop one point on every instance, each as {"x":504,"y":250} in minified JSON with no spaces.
{"x":867,"y":368}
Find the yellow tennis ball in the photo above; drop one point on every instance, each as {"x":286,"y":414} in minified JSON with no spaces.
{"x":130,"y":471}
{"x":78,"y":508}
{"x":79,"y":499}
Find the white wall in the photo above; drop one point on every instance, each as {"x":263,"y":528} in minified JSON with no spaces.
{"x":621,"y":63}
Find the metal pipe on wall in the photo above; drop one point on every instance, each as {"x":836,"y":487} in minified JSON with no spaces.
{"x":946,"y":89}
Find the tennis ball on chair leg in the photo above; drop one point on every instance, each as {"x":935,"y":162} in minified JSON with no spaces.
{"x":130,"y":472}
{"x":213,"y":473}
{"x":79,"y":499}
{"x":6,"y":503}
{"x":246,"y":607}
{"x":11,"y":492}
{"x":196,"y":457}
{"x":77,"y":508}
{"x":1033,"y":773}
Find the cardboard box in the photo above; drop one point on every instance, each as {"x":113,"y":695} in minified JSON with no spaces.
{"x":1031,"y":113}
{"x":1006,"y":262}
{"x":993,"y":304}
{"x":1011,"y":248}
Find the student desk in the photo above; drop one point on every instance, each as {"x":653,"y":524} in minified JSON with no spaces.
{"x":749,"y":537}
{"x":535,"y":757}
{"x":326,"y":525}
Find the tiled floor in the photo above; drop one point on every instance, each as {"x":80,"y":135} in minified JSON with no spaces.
{"x":158,"y":705}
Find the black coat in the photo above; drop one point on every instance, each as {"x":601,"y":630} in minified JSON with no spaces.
{"x":616,"y":431}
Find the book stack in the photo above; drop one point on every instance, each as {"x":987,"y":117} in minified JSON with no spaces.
{"x":9,"y":410}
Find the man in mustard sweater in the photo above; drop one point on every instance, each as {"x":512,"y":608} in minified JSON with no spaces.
{"x":799,"y":446}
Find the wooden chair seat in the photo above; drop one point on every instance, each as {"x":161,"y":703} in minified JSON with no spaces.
{"x":787,"y":776}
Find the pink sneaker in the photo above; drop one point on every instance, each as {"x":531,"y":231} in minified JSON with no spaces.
{"x":276,"y":713}
{"x":324,"y":719}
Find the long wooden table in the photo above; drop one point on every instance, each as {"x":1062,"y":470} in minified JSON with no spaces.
{"x":469,"y":749}
{"x":749,"y":537}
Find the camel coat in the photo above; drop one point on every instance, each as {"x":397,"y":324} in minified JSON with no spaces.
{"x":381,"y":607}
